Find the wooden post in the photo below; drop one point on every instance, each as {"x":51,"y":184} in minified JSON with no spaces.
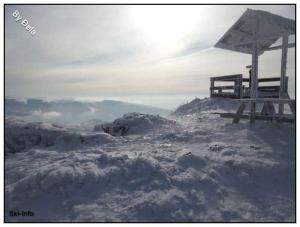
{"x":282,"y":93}
{"x":254,"y":70}
{"x":212,"y":84}
{"x":236,"y":89}
{"x":240,"y":86}
{"x":268,"y":108}
{"x":286,"y":86}
{"x":292,"y":105}
{"x":253,"y":92}
{"x":239,"y":112}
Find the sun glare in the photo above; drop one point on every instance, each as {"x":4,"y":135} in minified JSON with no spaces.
{"x":165,"y":24}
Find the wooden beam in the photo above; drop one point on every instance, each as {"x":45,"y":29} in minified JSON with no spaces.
{"x":225,"y":95}
{"x":241,"y":90}
{"x":268,"y":87}
{"x":290,"y":45}
{"x":279,"y":118}
{"x":223,"y":87}
{"x":262,"y":100}
{"x":240,"y":111}
{"x":212,"y":84}
{"x":226,"y":77}
{"x":285,"y":40}
{"x":252,"y":112}
{"x":269,"y":79}
{"x":268,"y":109}
{"x":293,"y":107}
{"x":254,"y":70}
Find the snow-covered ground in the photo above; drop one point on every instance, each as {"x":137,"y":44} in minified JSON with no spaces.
{"x":192,"y":167}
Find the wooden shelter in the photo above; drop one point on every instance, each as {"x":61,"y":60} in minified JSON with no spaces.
{"x":254,"y":33}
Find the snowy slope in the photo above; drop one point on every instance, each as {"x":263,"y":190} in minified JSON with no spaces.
{"x":197,"y":168}
{"x":207,"y":105}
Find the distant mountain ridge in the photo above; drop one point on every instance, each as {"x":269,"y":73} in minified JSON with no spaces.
{"x":72,"y":111}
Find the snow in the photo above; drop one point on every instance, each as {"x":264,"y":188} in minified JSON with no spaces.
{"x":136,"y":123}
{"x":192,"y":166}
{"x":21,"y":136}
{"x":207,"y":105}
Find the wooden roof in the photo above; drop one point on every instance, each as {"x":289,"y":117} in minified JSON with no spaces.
{"x":270,"y":28}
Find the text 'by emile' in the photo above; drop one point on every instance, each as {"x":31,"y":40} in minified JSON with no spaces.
{"x":24,"y":22}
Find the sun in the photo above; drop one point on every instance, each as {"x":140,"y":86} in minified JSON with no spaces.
{"x":165,"y":24}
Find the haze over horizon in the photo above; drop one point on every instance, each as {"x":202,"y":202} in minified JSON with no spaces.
{"x":153,"y":55}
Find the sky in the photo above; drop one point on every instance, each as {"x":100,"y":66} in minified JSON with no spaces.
{"x":153,"y":54}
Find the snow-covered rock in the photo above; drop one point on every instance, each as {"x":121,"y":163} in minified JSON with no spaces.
{"x":135,"y":123}
{"x":22,"y":136}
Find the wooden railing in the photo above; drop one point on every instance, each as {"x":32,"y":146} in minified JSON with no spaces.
{"x":239,"y":90}
{"x":265,"y":91}
{"x":233,"y":91}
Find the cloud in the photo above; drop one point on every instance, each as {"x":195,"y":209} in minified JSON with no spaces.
{"x":51,"y":114}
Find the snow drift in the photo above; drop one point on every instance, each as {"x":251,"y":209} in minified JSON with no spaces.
{"x":22,"y":136}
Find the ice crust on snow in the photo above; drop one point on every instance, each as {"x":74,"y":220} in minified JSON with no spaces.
{"x":197,"y":168}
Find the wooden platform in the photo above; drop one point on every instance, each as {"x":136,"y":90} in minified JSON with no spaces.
{"x":258,"y":116}
{"x":268,"y":111}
